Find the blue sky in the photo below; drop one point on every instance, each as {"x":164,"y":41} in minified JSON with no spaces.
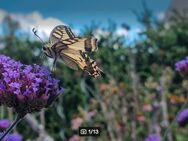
{"x":82,"y":12}
{"x":46,"y":14}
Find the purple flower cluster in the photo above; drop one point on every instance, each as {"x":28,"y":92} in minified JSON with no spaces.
{"x":4,"y":124}
{"x":153,"y":137}
{"x":182,"y":66}
{"x":26,"y":88}
{"x":182,"y":118}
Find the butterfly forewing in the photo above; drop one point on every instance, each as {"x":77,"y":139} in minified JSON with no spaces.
{"x":84,"y":44}
{"x":64,"y":34}
{"x":61,"y":32}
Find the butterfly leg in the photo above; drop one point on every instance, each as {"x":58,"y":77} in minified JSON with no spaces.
{"x":54,"y":64}
{"x":41,"y":55}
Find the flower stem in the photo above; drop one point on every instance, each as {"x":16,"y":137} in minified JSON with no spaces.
{"x":17,"y":120}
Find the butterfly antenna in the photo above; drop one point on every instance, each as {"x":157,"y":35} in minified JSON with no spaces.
{"x":35,"y":32}
{"x":41,"y":55}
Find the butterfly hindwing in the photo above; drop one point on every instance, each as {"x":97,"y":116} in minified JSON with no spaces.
{"x":69,"y":62}
{"x":83,"y":61}
{"x":91,"y":68}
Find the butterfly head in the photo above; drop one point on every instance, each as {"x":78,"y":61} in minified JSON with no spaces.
{"x":46,"y":49}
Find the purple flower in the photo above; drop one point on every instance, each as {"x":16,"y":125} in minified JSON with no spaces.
{"x":4,"y":124}
{"x":153,"y":137}
{"x":26,"y":88}
{"x":14,"y":137}
{"x":182,"y":118}
{"x":182,"y":66}
{"x":2,"y":86}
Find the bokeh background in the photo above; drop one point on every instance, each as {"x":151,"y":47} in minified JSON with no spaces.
{"x":139,"y":43}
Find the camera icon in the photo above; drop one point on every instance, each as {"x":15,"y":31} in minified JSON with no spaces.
{"x":83,"y":131}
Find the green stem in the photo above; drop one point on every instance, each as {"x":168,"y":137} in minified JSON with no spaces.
{"x":2,"y":112}
{"x":17,"y":120}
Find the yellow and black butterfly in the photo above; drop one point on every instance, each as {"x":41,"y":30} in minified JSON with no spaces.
{"x":64,"y":45}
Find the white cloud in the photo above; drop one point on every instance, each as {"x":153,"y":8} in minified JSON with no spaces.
{"x":33,"y":20}
{"x":76,"y":31}
{"x":161,"y":16}
{"x":100,"y":33}
{"x":138,"y":30}
{"x":2,"y":15}
{"x":122,"y":32}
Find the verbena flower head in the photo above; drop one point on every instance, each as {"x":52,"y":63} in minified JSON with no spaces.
{"x":4,"y":124}
{"x":153,"y":137}
{"x":182,"y":66}
{"x":26,"y":88}
{"x":182,"y":118}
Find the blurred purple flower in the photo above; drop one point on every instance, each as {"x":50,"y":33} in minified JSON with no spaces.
{"x":76,"y":122}
{"x":14,"y":137}
{"x":74,"y":138}
{"x":4,"y":124}
{"x":26,"y":88}
{"x":1,"y":133}
{"x":182,"y":66}
{"x":182,"y":118}
{"x":153,"y":137}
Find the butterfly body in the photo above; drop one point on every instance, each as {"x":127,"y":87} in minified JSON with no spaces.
{"x":72,"y":50}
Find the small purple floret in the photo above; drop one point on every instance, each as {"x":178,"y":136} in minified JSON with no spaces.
{"x":14,"y":137}
{"x":182,"y":118}
{"x":182,"y":66}
{"x":4,"y":124}
{"x":153,"y":137}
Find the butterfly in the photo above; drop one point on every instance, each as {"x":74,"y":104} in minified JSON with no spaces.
{"x":72,"y":50}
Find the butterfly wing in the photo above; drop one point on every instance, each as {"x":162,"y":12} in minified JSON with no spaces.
{"x":69,"y":62}
{"x":65,"y":35}
{"x":91,"y":66}
{"x":82,"y":60}
{"x":71,"y":50}
{"x":83,"y":44}
{"x":61,"y":32}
